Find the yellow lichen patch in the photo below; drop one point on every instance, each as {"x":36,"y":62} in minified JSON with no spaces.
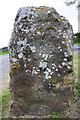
{"x":66,"y":80}
{"x":17,"y":65}
{"x":63,"y":84}
{"x":11,"y":62}
{"x":53,"y":79}
{"x":50,"y":26}
{"x":55,"y":88}
{"x":56,"y":50}
{"x":61,"y":20}
{"x":48,"y":19}
{"x":69,"y":86}
{"x":11,"y":70}
{"x":38,"y":9}
{"x":40,"y":29}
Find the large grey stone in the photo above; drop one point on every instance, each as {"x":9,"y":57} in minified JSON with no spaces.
{"x":41,"y":65}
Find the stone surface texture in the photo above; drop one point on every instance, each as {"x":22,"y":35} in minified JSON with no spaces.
{"x":41,"y":62}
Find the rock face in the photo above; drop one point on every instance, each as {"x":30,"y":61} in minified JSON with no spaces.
{"x":41,"y":66}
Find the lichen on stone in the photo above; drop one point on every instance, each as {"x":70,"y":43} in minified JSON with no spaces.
{"x":41,"y":62}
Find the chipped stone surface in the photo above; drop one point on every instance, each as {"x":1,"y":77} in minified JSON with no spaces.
{"x":41,"y":66}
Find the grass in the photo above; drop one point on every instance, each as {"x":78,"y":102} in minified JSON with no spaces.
{"x":4,"y":103}
{"x":77,"y":73}
{"x":76,"y":43}
{"x":4,"y":52}
{"x":6,"y":95}
{"x":58,"y":115}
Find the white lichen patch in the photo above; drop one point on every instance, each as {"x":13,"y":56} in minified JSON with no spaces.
{"x":24,"y":65}
{"x":27,"y":71}
{"x":64,"y":71}
{"x":50,"y":56}
{"x":21,"y":42}
{"x":33,"y":48}
{"x":53,"y":68}
{"x":64,"y":36}
{"x":54,"y":64}
{"x":45,"y":56}
{"x":38,"y":33}
{"x":25,"y":30}
{"x":43,"y":64}
{"x":57,"y":85}
{"x":34,"y":71}
{"x":40,"y":54}
{"x":56,"y":69}
{"x":63,"y":63}
{"x":63,"y":42}
{"x":60,"y":49}
{"x":59,"y":30}
{"x":49,"y":12}
{"x":20,"y":55}
{"x":29,"y":59}
{"x":68,"y":67}
{"x":51,"y":73}
{"x":49,"y":70}
{"x":65,"y":59}
{"x":49,"y":84}
{"x":20,"y":26}
{"x":59,"y":75}
{"x":14,"y":59}
{"x":47,"y":76}
{"x":60,"y":66}
{"x":65,"y":54}
{"x":69,"y":41}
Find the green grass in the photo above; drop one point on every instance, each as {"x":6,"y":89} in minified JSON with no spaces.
{"x":76,"y":43}
{"x":56,"y":115}
{"x":77,"y":73}
{"x":4,"y":103}
{"x":4,"y":52}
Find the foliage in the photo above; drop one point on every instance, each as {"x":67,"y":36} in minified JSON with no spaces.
{"x":77,"y":34}
{"x":76,"y":38}
{"x":71,"y":2}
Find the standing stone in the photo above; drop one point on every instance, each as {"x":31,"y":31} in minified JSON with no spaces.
{"x":41,"y":62}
